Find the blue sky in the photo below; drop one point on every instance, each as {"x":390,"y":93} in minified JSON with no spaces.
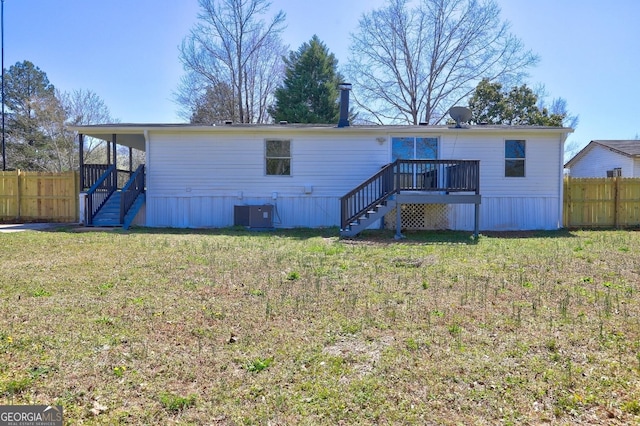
{"x":127,"y":51}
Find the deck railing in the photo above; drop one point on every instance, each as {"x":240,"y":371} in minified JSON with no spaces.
{"x":439,"y":175}
{"x":131,"y":191}
{"x":409,"y":175}
{"x":100,"y":191}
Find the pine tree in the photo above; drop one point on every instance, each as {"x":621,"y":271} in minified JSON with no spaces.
{"x":309,"y":93}
{"x":31,"y":105}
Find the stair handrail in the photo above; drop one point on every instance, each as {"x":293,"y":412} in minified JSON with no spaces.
{"x":131,"y":190}
{"x":375,"y":190}
{"x":100,"y":192}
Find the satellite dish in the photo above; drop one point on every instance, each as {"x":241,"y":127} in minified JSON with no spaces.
{"x":460,"y":114}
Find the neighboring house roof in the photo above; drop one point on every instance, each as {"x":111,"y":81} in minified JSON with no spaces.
{"x":628,"y":148}
{"x":133,"y":135}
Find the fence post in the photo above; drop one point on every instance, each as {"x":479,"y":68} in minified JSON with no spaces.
{"x":616,"y":201}
{"x":18,"y":195}
{"x":565,"y":201}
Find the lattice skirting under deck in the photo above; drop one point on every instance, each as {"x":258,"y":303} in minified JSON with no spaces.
{"x":420,"y":217}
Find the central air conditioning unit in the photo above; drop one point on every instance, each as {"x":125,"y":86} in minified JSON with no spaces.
{"x":255,"y":217}
{"x":617,"y":172}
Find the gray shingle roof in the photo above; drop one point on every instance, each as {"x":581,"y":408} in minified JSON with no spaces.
{"x":627,"y":147}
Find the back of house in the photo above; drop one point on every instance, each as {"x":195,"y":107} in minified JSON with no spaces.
{"x":297,"y":175}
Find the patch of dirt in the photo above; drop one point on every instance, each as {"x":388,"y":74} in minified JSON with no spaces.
{"x":409,"y":262}
{"x":362,"y":355}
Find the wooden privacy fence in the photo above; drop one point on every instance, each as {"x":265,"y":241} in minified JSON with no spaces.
{"x":39,"y":196}
{"x":601,"y":202}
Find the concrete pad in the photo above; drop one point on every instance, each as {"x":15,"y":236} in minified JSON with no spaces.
{"x":19,"y":227}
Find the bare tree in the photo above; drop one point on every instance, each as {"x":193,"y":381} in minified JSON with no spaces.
{"x":410,"y":64}
{"x":215,"y":105}
{"x":559,"y":106}
{"x":84,"y":107}
{"x":265,"y":71}
{"x":233,"y":46}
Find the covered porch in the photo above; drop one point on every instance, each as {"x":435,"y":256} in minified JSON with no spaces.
{"x":112,"y":179}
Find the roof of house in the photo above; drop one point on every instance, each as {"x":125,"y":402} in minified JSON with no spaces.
{"x":628,"y":148}
{"x":133,"y":135}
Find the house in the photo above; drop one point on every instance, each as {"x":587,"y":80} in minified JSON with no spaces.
{"x":287,"y":175}
{"x":606,"y":158}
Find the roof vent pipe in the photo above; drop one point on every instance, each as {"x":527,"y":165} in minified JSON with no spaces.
{"x":344,"y":104}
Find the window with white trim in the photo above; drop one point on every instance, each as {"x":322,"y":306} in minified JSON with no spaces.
{"x":514,"y":158}
{"x":278,"y":157}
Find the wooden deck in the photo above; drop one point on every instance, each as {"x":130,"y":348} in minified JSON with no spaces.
{"x":410,"y":182}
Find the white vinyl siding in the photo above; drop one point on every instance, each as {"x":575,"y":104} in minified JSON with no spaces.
{"x":195,"y":179}
{"x":530,"y":202}
{"x":595,"y":163}
{"x":544,"y":166}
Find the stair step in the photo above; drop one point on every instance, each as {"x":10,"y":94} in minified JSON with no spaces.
{"x":368,"y":218}
{"x":109,"y":213}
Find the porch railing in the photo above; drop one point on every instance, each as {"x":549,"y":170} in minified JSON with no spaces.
{"x":92,"y":172}
{"x":131,"y":191}
{"x":100,"y":191}
{"x":409,"y":175}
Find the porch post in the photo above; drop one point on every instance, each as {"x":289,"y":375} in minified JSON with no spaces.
{"x":114,"y":147}
{"x":398,"y":235}
{"x":108,"y":153}
{"x":81,"y":159}
{"x":476,"y":224}
{"x":477,"y":221}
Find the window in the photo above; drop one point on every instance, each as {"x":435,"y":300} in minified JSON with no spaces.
{"x":278,"y":158}
{"x":415,"y":174}
{"x":514,"y":156}
{"x":410,"y":148}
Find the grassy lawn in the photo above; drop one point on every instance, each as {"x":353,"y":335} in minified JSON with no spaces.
{"x":298,"y":327}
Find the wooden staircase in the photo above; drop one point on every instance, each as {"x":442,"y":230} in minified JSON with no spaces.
{"x":368,"y":202}
{"x":368,"y":218}
{"x":109,"y":206}
{"x":109,"y":213}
